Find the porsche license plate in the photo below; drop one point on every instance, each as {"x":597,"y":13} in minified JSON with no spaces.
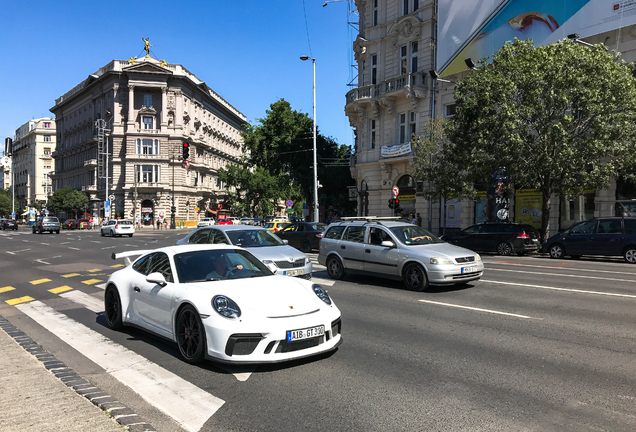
{"x":294,"y":335}
{"x":470,"y":269}
{"x":294,"y":272}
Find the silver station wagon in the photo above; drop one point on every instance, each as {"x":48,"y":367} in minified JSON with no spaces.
{"x":393,"y":249}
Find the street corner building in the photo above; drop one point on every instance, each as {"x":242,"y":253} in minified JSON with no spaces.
{"x":120,"y":135}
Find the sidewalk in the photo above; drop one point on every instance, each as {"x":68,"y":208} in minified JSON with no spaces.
{"x":41,"y":394}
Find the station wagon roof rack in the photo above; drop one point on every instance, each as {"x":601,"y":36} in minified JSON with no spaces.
{"x":369,"y":219}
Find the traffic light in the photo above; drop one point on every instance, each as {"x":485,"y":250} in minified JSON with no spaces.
{"x":396,"y":203}
{"x":186,"y":150}
{"x":391,"y":204}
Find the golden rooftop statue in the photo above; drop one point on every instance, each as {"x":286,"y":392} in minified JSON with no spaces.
{"x":146,"y":45}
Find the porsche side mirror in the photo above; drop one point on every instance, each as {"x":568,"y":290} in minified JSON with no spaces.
{"x":156,"y":278}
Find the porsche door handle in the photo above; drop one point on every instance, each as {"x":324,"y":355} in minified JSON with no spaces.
{"x":136,"y":289}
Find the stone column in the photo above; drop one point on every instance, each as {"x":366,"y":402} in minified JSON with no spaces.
{"x":131,"y":105}
{"x":164,"y":108}
{"x":178,"y":121}
{"x":116,"y":104}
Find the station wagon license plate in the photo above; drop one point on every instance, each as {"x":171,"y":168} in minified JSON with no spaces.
{"x":294,"y":272}
{"x":294,"y":335}
{"x":470,"y":269}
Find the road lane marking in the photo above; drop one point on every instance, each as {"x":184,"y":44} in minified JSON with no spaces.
{"x":18,"y":251}
{"x":102,"y":286}
{"x":19,"y":300}
{"x":60,"y":289}
{"x":477,"y":309}
{"x":564,"y":275}
{"x":91,"y":281}
{"x":71,"y":275}
{"x":563,"y":289}
{"x":41,"y":260}
{"x":39,"y":281}
{"x":6,"y":289}
{"x":117,"y":265}
{"x":160,"y":387}
{"x":88,"y":301}
{"x":73,"y":248}
{"x":94,"y":270}
{"x":556,"y":267}
{"x":321,"y":281}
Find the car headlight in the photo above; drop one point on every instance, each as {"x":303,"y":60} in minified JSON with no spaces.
{"x":441,"y":261}
{"x":226,"y":307}
{"x":477,"y":257}
{"x":321,"y":293}
{"x":307,"y":260}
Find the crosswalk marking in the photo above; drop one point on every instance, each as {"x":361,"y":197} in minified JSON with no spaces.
{"x":91,"y":281}
{"x":160,"y":387}
{"x":94,"y":270}
{"x":5,"y":289}
{"x":19,"y":300}
{"x":39,"y":281}
{"x":60,"y":289}
{"x":70,"y":275}
{"x":88,"y":301}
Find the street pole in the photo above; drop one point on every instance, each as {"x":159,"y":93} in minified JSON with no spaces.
{"x":172,"y":206}
{"x":316,"y":216}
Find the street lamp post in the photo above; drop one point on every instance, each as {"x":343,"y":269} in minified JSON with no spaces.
{"x":313,"y":60}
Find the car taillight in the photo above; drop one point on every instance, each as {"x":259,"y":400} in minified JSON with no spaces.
{"x":116,"y":226}
{"x":275,"y":229}
{"x":523,"y":235}
{"x":319,"y":235}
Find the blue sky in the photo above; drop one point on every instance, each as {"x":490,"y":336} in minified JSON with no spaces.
{"x":247,"y":51}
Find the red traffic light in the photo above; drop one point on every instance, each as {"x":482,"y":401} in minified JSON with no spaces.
{"x":397,"y":201}
{"x":186,"y":144}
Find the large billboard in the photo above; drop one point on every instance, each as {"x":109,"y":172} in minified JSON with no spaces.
{"x":476,"y":29}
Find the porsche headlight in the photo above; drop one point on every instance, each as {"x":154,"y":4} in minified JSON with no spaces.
{"x":226,"y":307}
{"x":441,"y":261}
{"x":321,"y":293}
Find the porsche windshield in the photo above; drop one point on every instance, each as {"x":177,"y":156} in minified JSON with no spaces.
{"x":218,"y":264}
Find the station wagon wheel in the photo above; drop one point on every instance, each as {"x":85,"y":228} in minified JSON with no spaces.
{"x":305,"y":246}
{"x":335,"y":268}
{"x":504,"y":248}
{"x":415,"y":278}
{"x":112,"y":308}
{"x":556,"y":251}
{"x":630,"y":255}
{"x":190,"y":335}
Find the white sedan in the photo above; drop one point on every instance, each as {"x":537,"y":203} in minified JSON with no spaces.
{"x":118,"y":227}
{"x":221,"y":303}
{"x":205,"y":222}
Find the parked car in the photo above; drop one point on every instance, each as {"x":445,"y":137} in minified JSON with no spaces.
{"x":11,"y":224}
{"x":235,"y":220}
{"x":80,"y":224}
{"x":257,"y":222}
{"x":67,"y":223}
{"x":502,"y":238}
{"x":225,"y":222}
{"x":611,"y":236}
{"x":393,"y":249}
{"x":303,"y":235}
{"x":208,"y":221}
{"x":118,"y":227}
{"x":280,"y":219}
{"x":221,"y":302}
{"x":47,"y":223}
{"x":276,"y":226}
{"x":281,"y":258}
{"x":246,"y":221}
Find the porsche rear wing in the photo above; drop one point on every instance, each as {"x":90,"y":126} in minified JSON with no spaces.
{"x":127,"y":255}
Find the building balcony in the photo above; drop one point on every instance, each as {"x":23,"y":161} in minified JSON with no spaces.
{"x":404,"y":83}
{"x":90,"y":163}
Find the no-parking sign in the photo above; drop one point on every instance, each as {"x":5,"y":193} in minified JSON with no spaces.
{"x":289,"y":203}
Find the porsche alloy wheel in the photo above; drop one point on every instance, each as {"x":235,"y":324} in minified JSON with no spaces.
{"x":190,"y":335}
{"x":334,"y":268}
{"x":415,"y":278}
{"x":112,"y":308}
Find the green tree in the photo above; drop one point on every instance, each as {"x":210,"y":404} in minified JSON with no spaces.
{"x":435,"y":163}
{"x":560,"y":118}
{"x":6,"y":203}
{"x":68,"y":200}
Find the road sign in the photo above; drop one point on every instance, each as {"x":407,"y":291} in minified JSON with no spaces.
{"x":396,"y":191}
{"x":169,"y":197}
{"x":289,"y":203}
{"x":106,"y":209}
{"x":196,"y":209}
{"x":185,"y":164}
{"x":111,"y":197}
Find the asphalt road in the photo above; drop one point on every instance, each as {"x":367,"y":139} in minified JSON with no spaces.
{"x":536,"y":345}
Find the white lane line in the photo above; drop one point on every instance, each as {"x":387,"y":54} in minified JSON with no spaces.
{"x":557,"y":267}
{"x":161,"y":388}
{"x":478,"y":309}
{"x":15,"y":252}
{"x":88,"y":301}
{"x":44,"y":262}
{"x":563,"y":275}
{"x":562,"y":289}
{"x":70,"y":247}
{"x":321,"y":281}
{"x":101,"y":286}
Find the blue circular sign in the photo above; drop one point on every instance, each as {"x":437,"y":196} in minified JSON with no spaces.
{"x":290,"y":203}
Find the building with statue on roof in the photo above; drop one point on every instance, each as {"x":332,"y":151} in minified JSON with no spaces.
{"x":120,"y":135}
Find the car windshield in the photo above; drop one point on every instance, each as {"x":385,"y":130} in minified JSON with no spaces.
{"x":253,"y":238}
{"x":218,"y":264}
{"x":412,"y":235}
{"x":50,"y":219}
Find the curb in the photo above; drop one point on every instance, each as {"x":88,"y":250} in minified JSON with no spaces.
{"x":121,"y":413}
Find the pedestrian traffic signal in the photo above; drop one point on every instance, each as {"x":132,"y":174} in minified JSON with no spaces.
{"x":186,"y":150}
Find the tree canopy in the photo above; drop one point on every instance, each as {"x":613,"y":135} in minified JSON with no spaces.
{"x":68,"y":200}
{"x":560,"y":118}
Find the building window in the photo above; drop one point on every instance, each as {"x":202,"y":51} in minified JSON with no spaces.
{"x":47,"y":138}
{"x":403,"y":68}
{"x":402,"y":129}
{"x":47,"y":151}
{"x":371,"y":134}
{"x":375,"y":12}
{"x":405,"y":7}
{"x":412,"y":124}
{"x":449,"y":110}
{"x":147,"y":173}
{"x":413,"y":57}
{"x":147,"y":100}
{"x":374,"y":69}
{"x":148,"y":123}
{"x":148,"y":147}
{"x":416,"y":5}
{"x":47,"y":125}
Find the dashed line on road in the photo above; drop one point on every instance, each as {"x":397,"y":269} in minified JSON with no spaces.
{"x":19,"y":300}
{"x":39,"y":281}
{"x":60,"y":289}
{"x":18,"y":251}
{"x":91,"y":281}
{"x":6,"y":289}
{"x":562,"y":289}
{"x":563,"y":275}
{"x":71,"y":275}
{"x":477,"y":309}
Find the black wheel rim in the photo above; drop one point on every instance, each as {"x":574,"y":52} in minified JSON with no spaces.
{"x":630,"y":255}
{"x":504,"y":249}
{"x":334,"y":267}
{"x":189,"y":334}
{"x":113,"y":308}
{"x":556,"y":252}
{"x":413,"y":277}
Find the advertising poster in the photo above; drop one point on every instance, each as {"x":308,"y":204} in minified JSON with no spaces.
{"x":453,"y":212}
{"x":498,"y":203}
{"x":480,"y":207}
{"x":528,"y":205}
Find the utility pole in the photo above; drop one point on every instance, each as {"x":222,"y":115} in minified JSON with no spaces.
{"x":103,"y":155}
{"x":173,"y":208}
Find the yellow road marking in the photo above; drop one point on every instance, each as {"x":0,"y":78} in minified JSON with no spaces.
{"x":94,"y":270}
{"x":60,"y":289}
{"x":70,"y":275}
{"x":5,"y":289}
{"x":117,"y":265}
{"x":39,"y":281}
{"x":91,"y":281}
{"x":16,"y":301}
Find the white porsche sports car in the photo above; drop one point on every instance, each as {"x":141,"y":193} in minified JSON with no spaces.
{"x":220,"y":302}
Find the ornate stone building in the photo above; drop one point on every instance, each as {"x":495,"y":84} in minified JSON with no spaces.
{"x":147,"y":109}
